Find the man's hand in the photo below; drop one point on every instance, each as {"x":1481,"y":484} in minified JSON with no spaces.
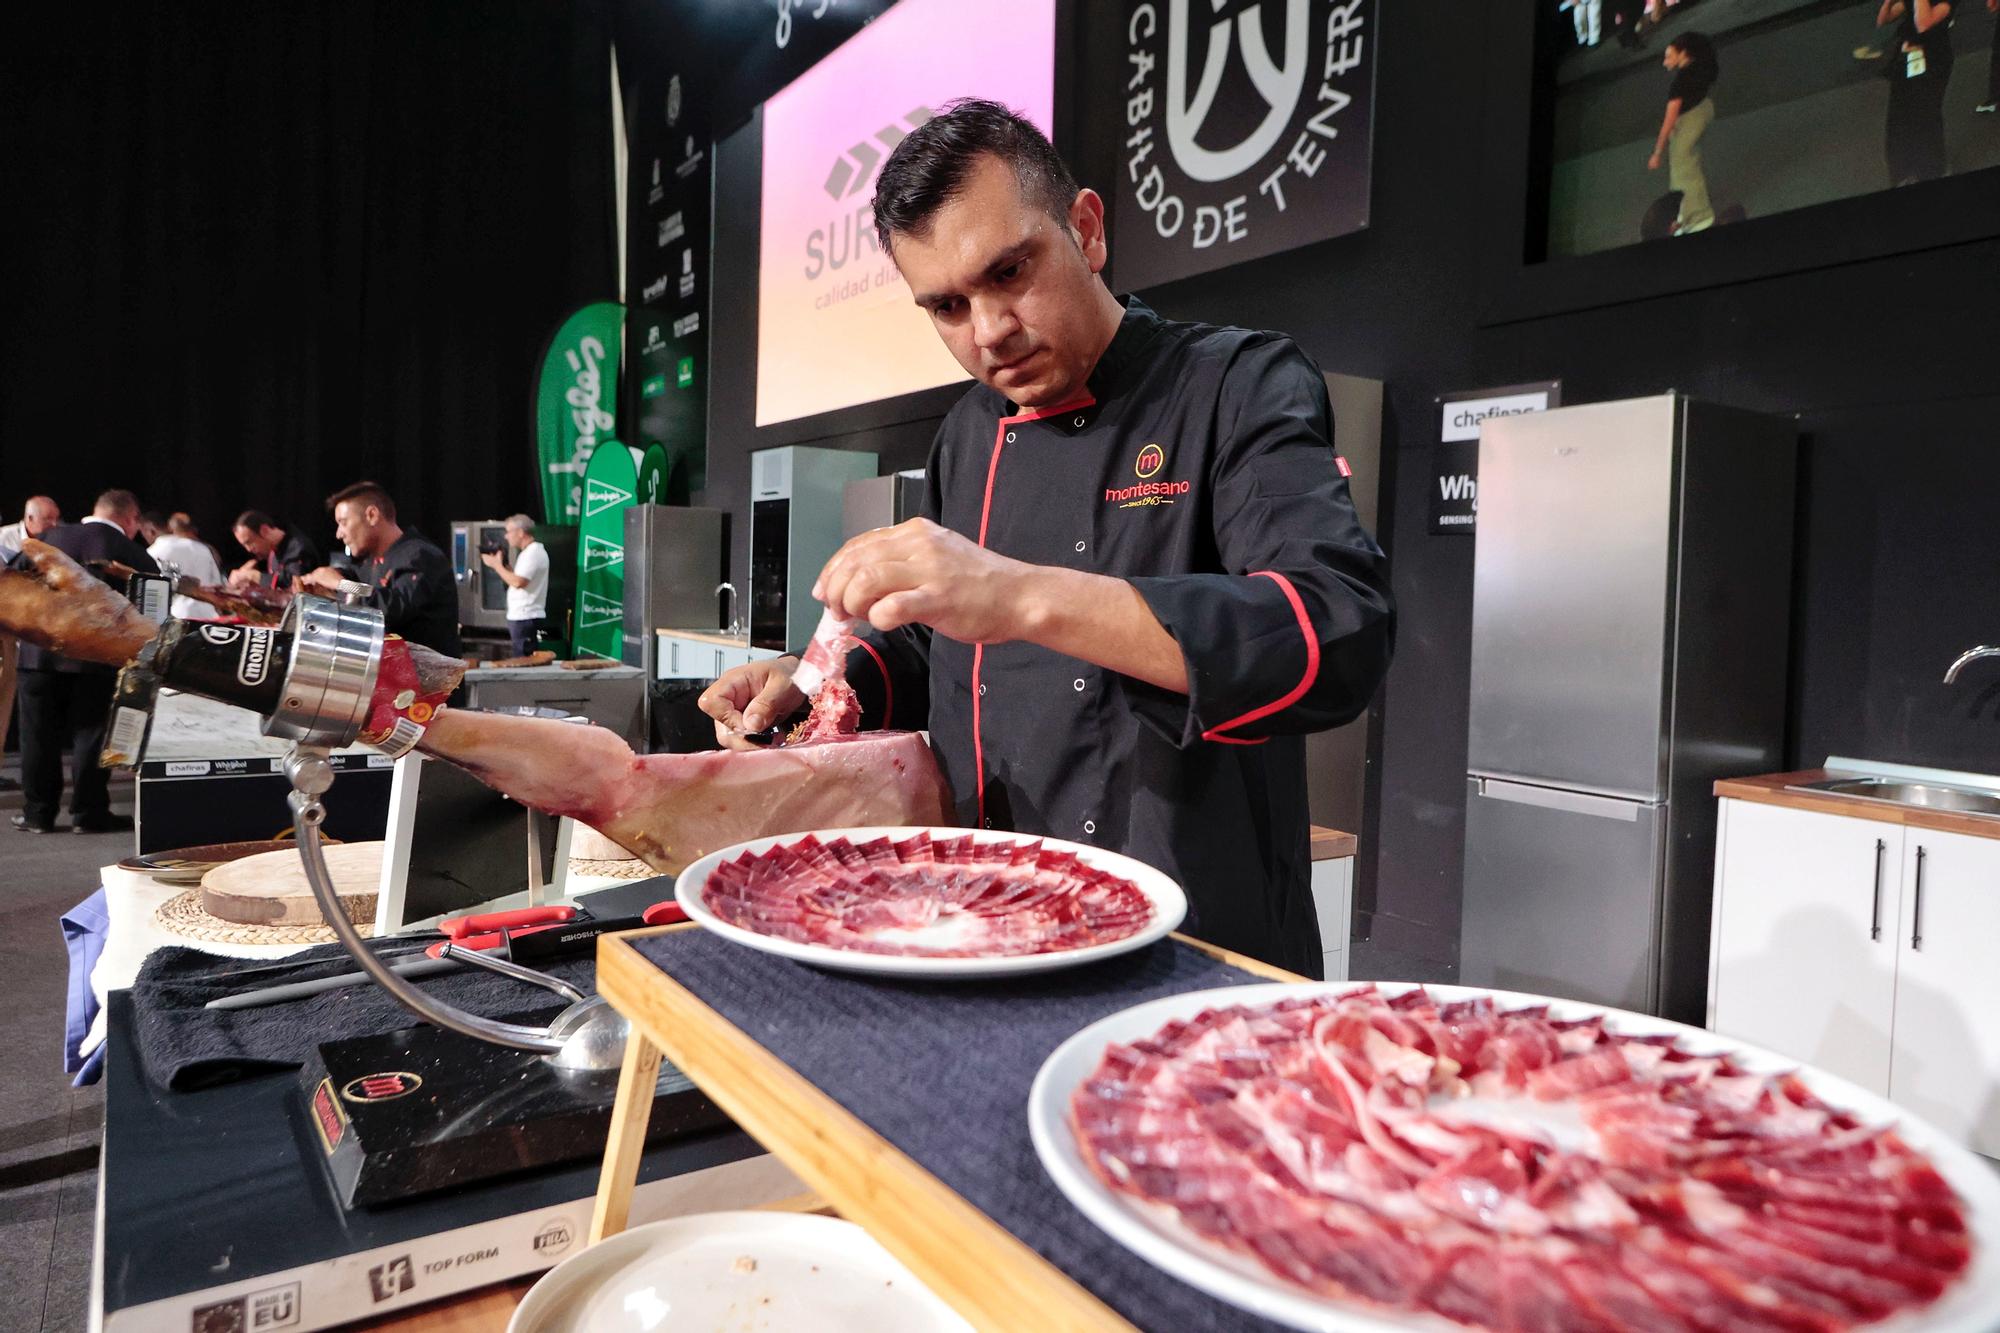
{"x":1653,"y":162}
{"x":751,"y":698}
{"x":325,"y":579}
{"x":246,"y":575}
{"x":492,"y":560}
{"x":918,"y":572}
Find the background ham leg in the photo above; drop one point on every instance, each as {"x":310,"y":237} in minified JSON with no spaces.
{"x":668,"y":809}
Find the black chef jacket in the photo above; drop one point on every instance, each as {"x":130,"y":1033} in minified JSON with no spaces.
{"x":1199,"y":466}
{"x":292,"y":557}
{"x":416,"y":592}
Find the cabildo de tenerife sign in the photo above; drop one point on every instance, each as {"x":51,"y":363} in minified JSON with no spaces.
{"x":1246,"y":130}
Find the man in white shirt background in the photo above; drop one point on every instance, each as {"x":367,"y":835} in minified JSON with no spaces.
{"x":190,"y":557}
{"x":527,"y":583}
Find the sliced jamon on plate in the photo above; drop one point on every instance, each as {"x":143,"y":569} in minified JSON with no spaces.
{"x":1380,"y":1158}
{"x":931,"y":902}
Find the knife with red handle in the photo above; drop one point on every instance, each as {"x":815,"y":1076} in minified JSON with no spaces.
{"x":555,"y":939}
{"x":459,"y":928}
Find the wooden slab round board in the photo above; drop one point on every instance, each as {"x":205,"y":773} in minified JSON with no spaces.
{"x":271,"y":890}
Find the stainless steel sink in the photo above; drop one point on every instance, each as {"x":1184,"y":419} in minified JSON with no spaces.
{"x":1929,"y":795}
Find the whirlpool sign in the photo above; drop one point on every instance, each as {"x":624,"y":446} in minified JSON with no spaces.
{"x":1245,"y":129}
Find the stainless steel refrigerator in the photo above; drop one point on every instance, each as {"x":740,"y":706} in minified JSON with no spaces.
{"x":1630,"y":634}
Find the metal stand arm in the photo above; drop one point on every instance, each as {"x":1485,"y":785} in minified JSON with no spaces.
{"x":311,"y":776}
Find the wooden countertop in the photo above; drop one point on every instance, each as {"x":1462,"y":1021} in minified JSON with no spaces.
{"x":716,"y":637}
{"x":1770,"y":789}
{"x":1329,"y":843}
{"x":983,"y":1271}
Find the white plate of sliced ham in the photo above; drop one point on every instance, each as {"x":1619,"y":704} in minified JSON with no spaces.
{"x":930,"y":902}
{"x":1396,"y":1157}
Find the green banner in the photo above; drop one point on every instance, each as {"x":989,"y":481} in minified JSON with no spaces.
{"x":610,"y":486}
{"x":576,"y":405}
{"x":653,"y":475}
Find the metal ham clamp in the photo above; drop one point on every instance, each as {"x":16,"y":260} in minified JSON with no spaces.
{"x":329,"y":676}
{"x":333,"y":693}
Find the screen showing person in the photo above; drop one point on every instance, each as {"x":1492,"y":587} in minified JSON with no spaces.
{"x":1675,"y":116}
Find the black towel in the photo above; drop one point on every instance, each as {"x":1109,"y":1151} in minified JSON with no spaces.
{"x":186,"y":1046}
{"x":942,"y":1071}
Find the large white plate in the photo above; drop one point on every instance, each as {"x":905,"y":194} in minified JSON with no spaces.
{"x":1169,"y":906}
{"x":812,"y":1273}
{"x":1971,"y":1305}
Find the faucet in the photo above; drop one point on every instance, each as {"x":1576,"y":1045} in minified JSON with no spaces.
{"x":1969,"y":655}
{"x":730,"y":588}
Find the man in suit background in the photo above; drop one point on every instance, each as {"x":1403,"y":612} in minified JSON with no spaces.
{"x":64,"y":702}
{"x":38,"y":516}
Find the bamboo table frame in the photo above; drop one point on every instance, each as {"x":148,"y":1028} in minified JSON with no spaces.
{"x":976,"y":1266}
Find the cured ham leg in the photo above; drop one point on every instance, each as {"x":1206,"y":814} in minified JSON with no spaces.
{"x":46,"y":598}
{"x":668,"y":809}
{"x":672,"y":809}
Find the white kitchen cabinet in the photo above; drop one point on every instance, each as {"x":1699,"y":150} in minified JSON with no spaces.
{"x":1946,"y":1066}
{"x":1889,"y":978}
{"x":1804,"y":957}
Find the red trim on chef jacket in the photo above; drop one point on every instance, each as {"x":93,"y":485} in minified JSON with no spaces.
{"x":1298,"y":691}
{"x":888,"y":685}
{"x":985,"y":515}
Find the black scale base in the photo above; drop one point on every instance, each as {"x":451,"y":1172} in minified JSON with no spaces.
{"x":421,"y":1109}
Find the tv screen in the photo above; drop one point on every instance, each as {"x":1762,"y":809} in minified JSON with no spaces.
{"x":835,"y":323}
{"x":1675,"y":116}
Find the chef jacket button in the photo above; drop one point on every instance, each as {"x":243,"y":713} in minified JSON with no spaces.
{"x":1010,"y":437}
{"x":982,"y":691}
{"x":989,"y":823}
{"x":1079,"y":546}
{"x":1078,"y":684}
{"x":1079,"y":421}
{"x":1090,"y":826}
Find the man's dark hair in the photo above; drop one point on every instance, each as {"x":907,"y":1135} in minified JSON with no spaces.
{"x":930,"y":166}
{"x":1697,"y":47}
{"x":366,"y":493}
{"x":116,"y":502}
{"x":254,"y":519}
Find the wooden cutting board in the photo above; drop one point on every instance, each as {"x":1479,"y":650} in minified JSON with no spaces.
{"x":270,"y":889}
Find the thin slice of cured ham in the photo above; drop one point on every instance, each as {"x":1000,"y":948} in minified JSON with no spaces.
{"x":924,"y":897}
{"x":1517,"y":1173}
{"x":822,"y":678}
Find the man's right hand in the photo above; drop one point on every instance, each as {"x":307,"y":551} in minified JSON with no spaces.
{"x":246,"y":575}
{"x":751,"y":698}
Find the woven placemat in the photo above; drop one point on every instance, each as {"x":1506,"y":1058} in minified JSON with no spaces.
{"x":619,"y":869}
{"x":184,"y":915}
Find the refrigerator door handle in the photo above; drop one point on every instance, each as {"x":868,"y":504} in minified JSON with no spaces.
{"x":1554,"y":798}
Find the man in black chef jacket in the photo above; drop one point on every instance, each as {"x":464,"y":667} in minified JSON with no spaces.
{"x":411,"y":578}
{"x":278,"y":556}
{"x":1140,"y":581}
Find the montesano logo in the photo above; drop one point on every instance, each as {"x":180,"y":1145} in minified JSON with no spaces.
{"x":599,"y":611}
{"x":1147,"y":494}
{"x":1151,"y":459}
{"x":845,"y":239}
{"x":601,"y":554}
{"x":383,"y":1087}
{"x":600,"y":496}
{"x":254,"y":662}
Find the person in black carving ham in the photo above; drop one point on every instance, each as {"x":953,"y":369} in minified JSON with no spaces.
{"x":1139,"y":581}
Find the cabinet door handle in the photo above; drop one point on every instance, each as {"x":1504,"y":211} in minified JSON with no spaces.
{"x":1917,"y":909}
{"x":1875,"y":918}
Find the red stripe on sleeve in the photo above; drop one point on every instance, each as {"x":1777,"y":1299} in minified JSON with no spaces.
{"x":1298,"y":691}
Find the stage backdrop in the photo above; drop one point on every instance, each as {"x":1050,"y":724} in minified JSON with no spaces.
{"x":256,"y":252}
